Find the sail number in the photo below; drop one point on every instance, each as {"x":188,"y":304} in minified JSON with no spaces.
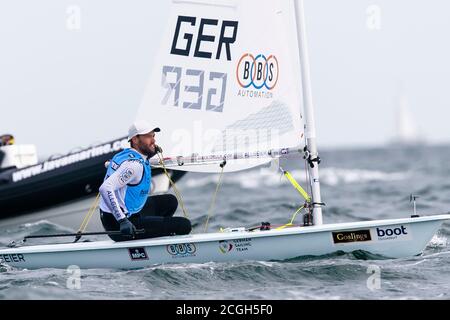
{"x":187,"y":87}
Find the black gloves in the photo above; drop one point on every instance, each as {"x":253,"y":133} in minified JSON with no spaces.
{"x":126,"y":227}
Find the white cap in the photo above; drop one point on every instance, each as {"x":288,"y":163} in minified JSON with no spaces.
{"x":141,"y":127}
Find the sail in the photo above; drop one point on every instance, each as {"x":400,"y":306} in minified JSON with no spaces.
{"x":226,"y":82}
{"x":407,"y":133}
{"x":406,"y":127}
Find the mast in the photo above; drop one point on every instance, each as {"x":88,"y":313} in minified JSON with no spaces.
{"x":309,"y":112}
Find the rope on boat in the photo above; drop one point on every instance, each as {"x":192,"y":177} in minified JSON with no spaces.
{"x":88,"y":217}
{"x":175,"y":189}
{"x":213,"y":201}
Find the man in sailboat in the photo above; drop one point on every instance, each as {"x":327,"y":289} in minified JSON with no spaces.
{"x":125,"y":190}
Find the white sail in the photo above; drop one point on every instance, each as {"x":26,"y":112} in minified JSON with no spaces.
{"x":407,"y":131}
{"x":226,"y":81}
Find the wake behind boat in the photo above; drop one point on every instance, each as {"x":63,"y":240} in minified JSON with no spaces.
{"x":228,"y":99}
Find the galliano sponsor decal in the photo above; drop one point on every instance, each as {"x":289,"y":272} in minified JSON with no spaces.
{"x":351,"y":236}
{"x":257,"y":75}
{"x":12,"y":257}
{"x":400,"y":232}
{"x":67,"y":160}
{"x":137,"y":254}
{"x":181,"y":250}
{"x":238,"y":245}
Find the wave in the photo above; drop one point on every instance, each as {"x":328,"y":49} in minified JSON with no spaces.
{"x":17,"y":233}
{"x":334,"y":176}
{"x":438,"y":241}
{"x":265,"y":177}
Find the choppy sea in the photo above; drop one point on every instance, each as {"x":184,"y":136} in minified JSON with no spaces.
{"x":359,"y":184}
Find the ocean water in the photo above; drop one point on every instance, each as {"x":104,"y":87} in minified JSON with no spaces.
{"x":363,"y":184}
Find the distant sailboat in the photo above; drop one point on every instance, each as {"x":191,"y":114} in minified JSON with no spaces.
{"x":406,"y":129}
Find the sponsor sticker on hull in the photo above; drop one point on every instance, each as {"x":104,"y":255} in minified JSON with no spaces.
{"x":389,"y":233}
{"x":351,"y":236}
{"x":238,"y":245}
{"x":137,"y":254}
{"x":181,"y":250}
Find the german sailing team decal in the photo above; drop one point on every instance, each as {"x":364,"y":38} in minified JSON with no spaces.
{"x":181,"y":250}
{"x":224,"y":246}
{"x":351,"y":236}
{"x":137,"y":254}
{"x":238,"y":245}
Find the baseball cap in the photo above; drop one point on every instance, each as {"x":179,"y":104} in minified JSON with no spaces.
{"x":141,"y":127}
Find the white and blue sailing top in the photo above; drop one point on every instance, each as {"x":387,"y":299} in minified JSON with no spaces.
{"x":127,"y":183}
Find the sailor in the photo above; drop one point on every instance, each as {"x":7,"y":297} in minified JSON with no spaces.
{"x":124,"y":192}
{"x":6,"y":140}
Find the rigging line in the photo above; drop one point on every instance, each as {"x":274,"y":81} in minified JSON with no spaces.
{"x":88,"y":216}
{"x":213,"y":201}
{"x":295,"y":214}
{"x":307,"y":168}
{"x":295,"y":184}
{"x":308,"y":177}
{"x":292,"y":219}
{"x":175,"y":189}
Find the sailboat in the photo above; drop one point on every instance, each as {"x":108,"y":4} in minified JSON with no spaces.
{"x":230,"y":90}
{"x":406,"y":134}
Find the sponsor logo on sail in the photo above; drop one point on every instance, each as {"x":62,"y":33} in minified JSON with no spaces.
{"x":181,"y":250}
{"x":351,"y":236}
{"x":257,"y":75}
{"x":393,"y":233}
{"x":137,"y":254}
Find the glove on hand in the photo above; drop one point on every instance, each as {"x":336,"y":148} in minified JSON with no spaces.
{"x":126,"y":227}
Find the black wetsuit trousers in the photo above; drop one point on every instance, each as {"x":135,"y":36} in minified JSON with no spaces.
{"x":156,"y":218}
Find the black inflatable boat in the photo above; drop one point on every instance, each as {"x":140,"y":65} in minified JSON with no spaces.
{"x":58,"y":179}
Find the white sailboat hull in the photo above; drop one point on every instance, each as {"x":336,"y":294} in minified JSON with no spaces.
{"x":394,"y":238}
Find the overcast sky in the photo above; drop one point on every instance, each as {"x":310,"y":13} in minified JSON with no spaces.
{"x":73,"y":73}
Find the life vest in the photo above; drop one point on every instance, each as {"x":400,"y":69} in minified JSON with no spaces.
{"x":135,"y":194}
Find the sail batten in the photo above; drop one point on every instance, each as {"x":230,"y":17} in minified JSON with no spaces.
{"x":226,"y":80}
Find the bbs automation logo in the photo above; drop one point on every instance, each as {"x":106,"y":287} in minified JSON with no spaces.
{"x":258,"y":72}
